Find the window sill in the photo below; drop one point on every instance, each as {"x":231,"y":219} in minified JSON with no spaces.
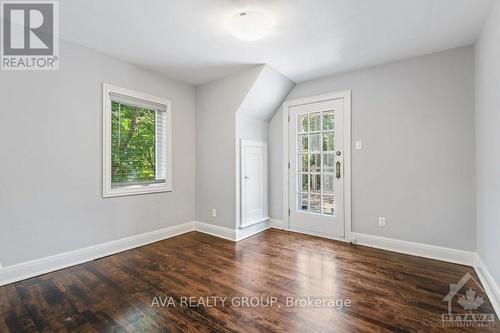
{"x":136,"y":190}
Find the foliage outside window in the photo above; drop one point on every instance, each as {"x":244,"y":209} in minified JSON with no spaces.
{"x":133,"y":147}
{"x":137,"y":138}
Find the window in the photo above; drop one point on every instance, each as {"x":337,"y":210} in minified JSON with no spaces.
{"x":137,"y":139}
{"x":316,"y":162}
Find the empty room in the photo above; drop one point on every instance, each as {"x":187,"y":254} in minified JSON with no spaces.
{"x":250,"y":166}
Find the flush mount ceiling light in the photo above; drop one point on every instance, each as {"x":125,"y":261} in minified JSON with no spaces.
{"x":249,"y":26}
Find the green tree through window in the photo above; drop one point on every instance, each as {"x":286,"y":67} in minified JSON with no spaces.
{"x":133,"y":145}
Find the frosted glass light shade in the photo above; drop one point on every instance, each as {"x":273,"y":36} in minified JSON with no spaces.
{"x":249,"y":26}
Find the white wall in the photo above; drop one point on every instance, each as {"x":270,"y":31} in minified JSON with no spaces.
{"x":51,"y":161}
{"x":487,"y":56}
{"x":416,"y":120}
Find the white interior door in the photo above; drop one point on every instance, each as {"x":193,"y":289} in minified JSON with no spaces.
{"x":316,"y":175}
{"x":253,"y":182}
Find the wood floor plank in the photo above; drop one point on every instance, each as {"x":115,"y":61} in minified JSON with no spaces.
{"x":389,"y":292}
{"x":14,"y":314}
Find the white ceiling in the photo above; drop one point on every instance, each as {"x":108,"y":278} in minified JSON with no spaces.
{"x":187,"y":40}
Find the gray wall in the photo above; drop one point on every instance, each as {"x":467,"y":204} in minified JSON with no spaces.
{"x":234,"y":107}
{"x":275,"y":162}
{"x":254,"y":116}
{"x":487,"y":54}
{"x":251,"y":128}
{"x":216,"y":105}
{"x":416,"y":120}
{"x":247,"y":128}
{"x":50,"y":153}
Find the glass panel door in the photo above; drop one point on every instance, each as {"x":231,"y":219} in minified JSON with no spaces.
{"x":315,"y":178}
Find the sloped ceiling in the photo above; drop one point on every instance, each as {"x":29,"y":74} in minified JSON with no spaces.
{"x":266,"y":95}
{"x":225,"y":95}
{"x":257,"y":92}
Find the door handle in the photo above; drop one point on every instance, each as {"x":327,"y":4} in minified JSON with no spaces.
{"x":337,"y":173}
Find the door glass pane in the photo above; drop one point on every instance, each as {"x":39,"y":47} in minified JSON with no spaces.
{"x":328,"y":162}
{"x":315,"y":142}
{"x":302,"y":162}
{"x":328,"y":124}
{"x":302,"y":182}
{"x":302,"y":123}
{"x":302,"y":143}
{"x":302,"y":202}
{"x":328,"y":205}
{"x":328,"y":184}
{"x":315,"y":183}
{"x":328,"y":141}
{"x":315,"y":162}
{"x":315,"y":203}
{"x":315,"y":122}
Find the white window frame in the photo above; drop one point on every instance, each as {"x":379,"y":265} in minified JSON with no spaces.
{"x":107,"y":189}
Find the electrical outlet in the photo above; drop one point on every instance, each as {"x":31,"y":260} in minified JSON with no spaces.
{"x":359,"y":145}
{"x":381,"y":221}
{"x":214,"y":212}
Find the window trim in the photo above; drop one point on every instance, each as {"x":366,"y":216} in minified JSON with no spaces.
{"x":107,"y":189}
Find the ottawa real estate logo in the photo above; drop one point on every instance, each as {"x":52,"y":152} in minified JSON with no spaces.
{"x":29,"y":38}
{"x":468,"y":296}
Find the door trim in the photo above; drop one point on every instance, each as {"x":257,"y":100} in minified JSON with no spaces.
{"x":346,"y":95}
{"x":264,"y":188}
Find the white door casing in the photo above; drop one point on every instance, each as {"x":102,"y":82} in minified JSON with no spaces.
{"x":253,"y":182}
{"x":317,"y":165}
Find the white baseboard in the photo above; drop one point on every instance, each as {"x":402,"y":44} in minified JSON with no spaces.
{"x":490,"y":285}
{"x":28,"y":269}
{"x":246,"y":232}
{"x":277,"y":224}
{"x":415,"y":249}
{"x":231,"y":234}
{"x":396,"y":245}
{"x":215,"y":230}
{"x":258,"y":221}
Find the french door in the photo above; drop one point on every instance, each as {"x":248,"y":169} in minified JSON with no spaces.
{"x":316,"y":168}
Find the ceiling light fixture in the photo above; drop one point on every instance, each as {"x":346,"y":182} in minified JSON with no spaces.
{"x":249,"y":26}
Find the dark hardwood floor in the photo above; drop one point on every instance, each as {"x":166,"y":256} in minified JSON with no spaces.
{"x":275,"y":270}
